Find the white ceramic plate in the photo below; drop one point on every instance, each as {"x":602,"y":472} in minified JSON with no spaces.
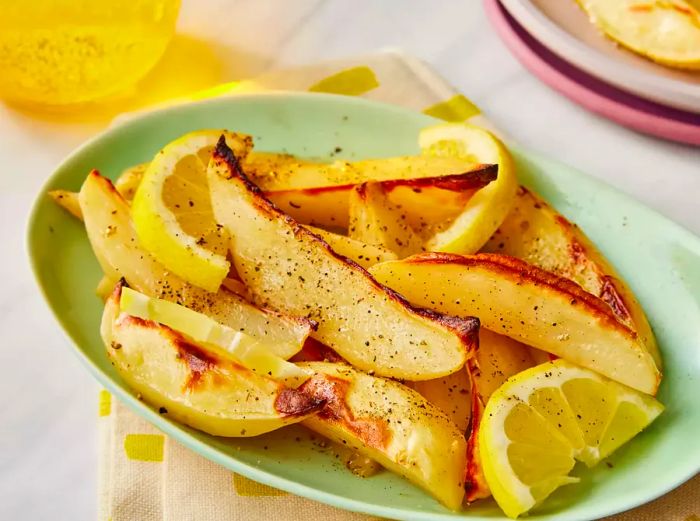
{"x":562,"y":27}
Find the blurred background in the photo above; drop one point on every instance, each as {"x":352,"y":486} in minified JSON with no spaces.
{"x":47,"y":431}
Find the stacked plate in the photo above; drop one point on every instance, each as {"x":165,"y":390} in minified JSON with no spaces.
{"x":557,"y":43}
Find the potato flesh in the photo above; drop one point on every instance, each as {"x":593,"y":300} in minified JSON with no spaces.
{"x":288,"y":268}
{"x":129,"y":180}
{"x":538,"y":234}
{"x":279,"y":172}
{"x":451,"y":394}
{"x":68,"y":201}
{"x":529,"y":305}
{"x":116,"y":247}
{"x":375,"y":220}
{"x":419,"y":441}
{"x":497,"y":359}
{"x":364,"y":254}
{"x":197,"y":387}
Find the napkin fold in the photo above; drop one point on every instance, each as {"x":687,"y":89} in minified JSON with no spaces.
{"x":144,"y":475}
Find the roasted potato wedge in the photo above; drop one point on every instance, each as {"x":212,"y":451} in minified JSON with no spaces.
{"x":288,"y":268}
{"x":281,"y":172}
{"x":497,"y":359}
{"x":528,"y":304}
{"x":428,"y":201}
{"x":116,"y":247}
{"x":392,"y":424}
{"x":68,"y":201}
{"x":536,"y":233}
{"x":198,"y":386}
{"x":129,"y":180}
{"x":375,"y":220}
{"x":451,"y":394}
{"x":364,"y":254}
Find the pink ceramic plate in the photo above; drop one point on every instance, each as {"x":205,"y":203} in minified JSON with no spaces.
{"x":592,"y":93}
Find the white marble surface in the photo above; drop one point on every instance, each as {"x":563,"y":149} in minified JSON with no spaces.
{"x":48,"y":404}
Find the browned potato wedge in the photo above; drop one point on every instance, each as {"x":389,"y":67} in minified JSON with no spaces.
{"x":198,"y":386}
{"x":451,"y":394}
{"x":278,"y":172}
{"x":116,"y":247}
{"x":68,"y":201}
{"x":497,"y":359}
{"x":105,"y":287}
{"x":391,"y":424}
{"x":375,"y":220}
{"x":288,"y":268}
{"x":129,"y":180}
{"x":428,"y":201}
{"x":538,"y":234}
{"x":364,"y":254}
{"x":528,"y":304}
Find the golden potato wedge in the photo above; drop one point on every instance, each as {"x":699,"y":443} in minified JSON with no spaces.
{"x":497,"y":359}
{"x":198,"y":386}
{"x":278,"y":172}
{"x":536,"y":233}
{"x":129,"y":180}
{"x":392,"y":424}
{"x":364,"y":254}
{"x":105,"y":287}
{"x":68,"y":201}
{"x":288,"y":268}
{"x":529,"y":304}
{"x":427,"y":200}
{"x":375,"y":220}
{"x":451,"y":394}
{"x":116,"y":247}
{"x":327,"y":207}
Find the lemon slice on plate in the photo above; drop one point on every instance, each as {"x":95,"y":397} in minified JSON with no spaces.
{"x":487,"y":209}
{"x":248,"y":351}
{"x":172,"y":209}
{"x":538,"y":423}
{"x":666,"y":32}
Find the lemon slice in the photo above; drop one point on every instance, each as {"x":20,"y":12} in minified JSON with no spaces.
{"x":200,"y":328}
{"x":666,"y":32}
{"x":172,"y":210}
{"x":487,"y":209}
{"x":538,"y":423}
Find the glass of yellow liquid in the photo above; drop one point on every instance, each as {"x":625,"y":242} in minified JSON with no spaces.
{"x":63,"y":52}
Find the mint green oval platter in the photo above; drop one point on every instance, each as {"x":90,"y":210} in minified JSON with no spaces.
{"x":660,"y":260}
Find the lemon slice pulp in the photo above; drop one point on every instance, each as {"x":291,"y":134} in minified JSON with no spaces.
{"x":537,"y":424}
{"x":486,"y":210}
{"x":172,"y":209}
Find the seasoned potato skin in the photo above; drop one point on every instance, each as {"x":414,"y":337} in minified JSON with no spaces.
{"x":286,"y":267}
{"x":199,"y":386}
{"x":536,"y":233}
{"x":114,"y":242}
{"x":392,"y":424}
{"x":528,"y":304}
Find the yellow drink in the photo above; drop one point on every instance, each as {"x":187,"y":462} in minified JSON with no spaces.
{"x":57,"y":52}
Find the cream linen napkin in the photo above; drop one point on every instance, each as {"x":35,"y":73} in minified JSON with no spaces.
{"x":146,"y":476}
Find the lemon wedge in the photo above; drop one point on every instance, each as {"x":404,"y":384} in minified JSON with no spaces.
{"x":172,"y":210}
{"x":538,"y":423}
{"x":201,"y":329}
{"x":486,"y":210}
